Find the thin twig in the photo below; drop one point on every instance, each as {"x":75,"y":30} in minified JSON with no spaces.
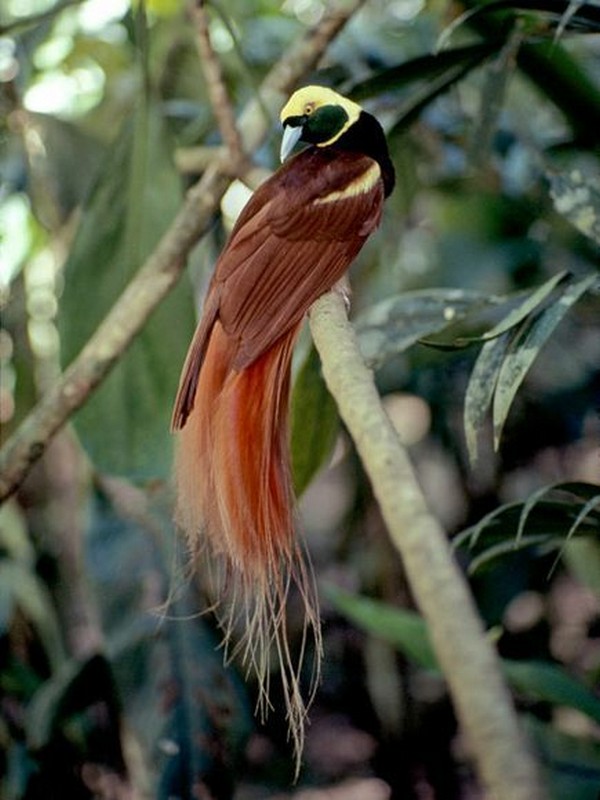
{"x":215,"y":84}
{"x":467,"y":658}
{"x":164,"y":266}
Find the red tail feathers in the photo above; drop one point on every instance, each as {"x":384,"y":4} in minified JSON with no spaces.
{"x":234,"y":488}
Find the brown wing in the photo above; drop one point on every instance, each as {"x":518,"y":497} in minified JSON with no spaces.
{"x":295,"y":238}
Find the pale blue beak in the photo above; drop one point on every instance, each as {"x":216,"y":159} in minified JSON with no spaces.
{"x":291,"y":137}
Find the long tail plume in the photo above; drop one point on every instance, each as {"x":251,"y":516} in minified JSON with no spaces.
{"x":235,"y":494}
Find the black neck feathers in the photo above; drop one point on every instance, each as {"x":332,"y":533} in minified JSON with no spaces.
{"x":366,"y":136}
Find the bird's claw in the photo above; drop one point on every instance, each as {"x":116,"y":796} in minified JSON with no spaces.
{"x":342,"y":287}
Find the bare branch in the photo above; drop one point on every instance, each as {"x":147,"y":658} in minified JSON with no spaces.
{"x":467,"y":658}
{"x":164,"y":266}
{"x":219,"y":97}
{"x":195,"y":160}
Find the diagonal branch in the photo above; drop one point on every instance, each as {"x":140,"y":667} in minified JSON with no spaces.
{"x":164,"y":266}
{"x":468,"y":660}
{"x":215,"y":84}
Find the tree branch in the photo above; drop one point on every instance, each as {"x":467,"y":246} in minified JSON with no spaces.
{"x":164,"y":266}
{"x":467,"y":658}
{"x":219,"y":98}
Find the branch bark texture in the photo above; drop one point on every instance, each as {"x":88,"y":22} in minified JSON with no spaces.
{"x":467,"y":658}
{"x":215,"y":84}
{"x":163,"y":268}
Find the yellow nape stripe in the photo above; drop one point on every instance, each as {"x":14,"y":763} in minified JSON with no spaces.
{"x":361,"y":185}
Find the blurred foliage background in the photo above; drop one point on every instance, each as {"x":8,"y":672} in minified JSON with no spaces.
{"x":111,"y":685}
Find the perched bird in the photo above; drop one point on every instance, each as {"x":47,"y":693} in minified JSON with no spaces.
{"x":293,"y":241}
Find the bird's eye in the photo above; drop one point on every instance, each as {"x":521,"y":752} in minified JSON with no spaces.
{"x":309,"y":108}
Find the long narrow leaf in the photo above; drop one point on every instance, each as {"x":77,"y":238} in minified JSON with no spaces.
{"x":404,"y":630}
{"x":550,"y":683}
{"x":422,"y":68}
{"x":493,"y":95}
{"x":563,"y":81}
{"x":548,"y":518}
{"x":542,"y":541}
{"x":583,"y":558}
{"x":391,"y":326}
{"x":125,"y":424}
{"x":423,"y":97}
{"x":552,"y":516}
{"x":580,"y":490}
{"x":480,"y":391}
{"x":485,"y":374}
{"x":571,"y":762}
{"x":559,"y":76}
{"x":511,"y":320}
{"x":581,"y":15}
{"x":407,"y":631}
{"x":314,"y":422}
{"x":523,"y":310}
{"x":433,"y":73}
{"x":525,"y":349}
{"x":23,"y":590}
{"x":583,"y":514}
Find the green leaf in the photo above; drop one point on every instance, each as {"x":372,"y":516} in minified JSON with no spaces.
{"x":407,"y":631}
{"x":568,"y":14}
{"x":583,"y":514}
{"x":564,"y":81}
{"x":548,"y":518}
{"x":543,"y":542}
{"x":539,"y":680}
{"x":497,"y":75}
{"x":480,"y":391}
{"x":522,"y":311}
{"x":490,"y":364}
{"x":558,"y":75}
{"x":577,"y":198}
{"x":314,"y":422}
{"x":21,"y":588}
{"x":579,"y":490}
{"x":72,"y":690}
{"x":391,"y":326}
{"x":571,"y":763}
{"x":433,"y":74}
{"x":422,"y":68}
{"x":517,"y":315}
{"x":526,"y":347}
{"x":584,"y":16}
{"x":125,"y":424}
{"x":583,"y":557}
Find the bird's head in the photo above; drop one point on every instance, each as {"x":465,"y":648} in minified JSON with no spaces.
{"x":316,"y":115}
